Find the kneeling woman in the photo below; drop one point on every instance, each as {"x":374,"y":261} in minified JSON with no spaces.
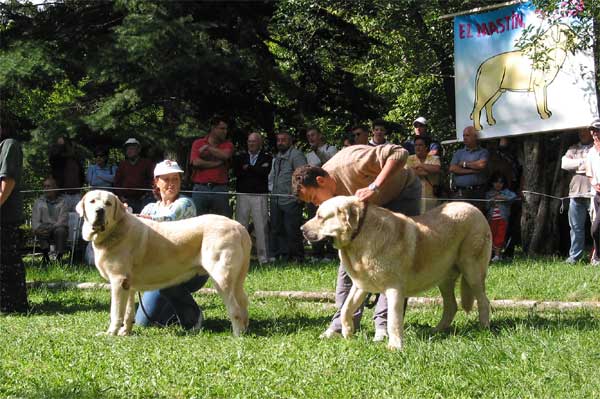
{"x":173,"y":304}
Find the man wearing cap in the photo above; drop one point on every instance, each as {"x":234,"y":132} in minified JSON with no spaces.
{"x":210,"y":157}
{"x":172,"y":304}
{"x":420,"y":130}
{"x":574,"y":161}
{"x":134,"y":177}
{"x":593,"y":172}
{"x":469,"y":166}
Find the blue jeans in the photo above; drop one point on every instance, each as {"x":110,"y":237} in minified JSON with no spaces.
{"x":169,"y":305}
{"x":578,"y":213}
{"x":209,"y":198}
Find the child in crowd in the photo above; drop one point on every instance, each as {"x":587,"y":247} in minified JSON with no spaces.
{"x":498,"y":212}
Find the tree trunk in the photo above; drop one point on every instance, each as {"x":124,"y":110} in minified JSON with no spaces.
{"x":540,"y":221}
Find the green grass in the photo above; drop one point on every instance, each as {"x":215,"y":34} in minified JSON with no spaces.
{"x":55,"y":351}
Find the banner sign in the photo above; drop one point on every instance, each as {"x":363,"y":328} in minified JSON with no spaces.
{"x":502,"y":92}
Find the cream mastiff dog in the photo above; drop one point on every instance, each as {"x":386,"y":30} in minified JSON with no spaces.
{"x":400,"y":256}
{"x":139,"y":254}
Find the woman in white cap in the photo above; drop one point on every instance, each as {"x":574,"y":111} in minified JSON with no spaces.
{"x":173,"y":304}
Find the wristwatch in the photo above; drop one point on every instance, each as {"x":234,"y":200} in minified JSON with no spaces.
{"x":373,"y":187}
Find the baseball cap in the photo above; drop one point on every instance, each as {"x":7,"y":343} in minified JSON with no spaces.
{"x":420,"y":120}
{"x":595,"y":123}
{"x":131,"y":141}
{"x":165,"y":167}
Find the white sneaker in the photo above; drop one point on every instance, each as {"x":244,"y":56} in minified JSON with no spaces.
{"x":380,"y":335}
{"x":329,"y":333}
{"x":496,"y":259}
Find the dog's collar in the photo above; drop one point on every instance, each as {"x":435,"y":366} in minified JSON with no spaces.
{"x":361,"y":221}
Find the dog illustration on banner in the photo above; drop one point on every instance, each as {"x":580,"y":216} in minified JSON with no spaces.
{"x":515,"y":71}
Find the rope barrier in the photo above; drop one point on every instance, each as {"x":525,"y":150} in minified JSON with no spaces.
{"x":88,"y":188}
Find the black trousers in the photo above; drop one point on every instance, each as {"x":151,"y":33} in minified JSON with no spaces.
{"x":13,"y":291}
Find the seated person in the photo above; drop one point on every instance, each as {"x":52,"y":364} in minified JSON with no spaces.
{"x":100,"y":173}
{"x":165,"y":306}
{"x":50,"y":220}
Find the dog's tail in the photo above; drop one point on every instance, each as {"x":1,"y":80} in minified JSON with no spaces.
{"x":466,"y":295}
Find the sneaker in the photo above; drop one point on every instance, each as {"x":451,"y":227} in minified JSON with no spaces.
{"x":571,"y":261}
{"x":380,"y":335}
{"x":496,"y":259}
{"x":329,"y":333}
{"x":595,"y":262}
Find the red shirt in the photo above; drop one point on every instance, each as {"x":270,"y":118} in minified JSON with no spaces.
{"x":216,"y":175}
{"x":138,"y":175}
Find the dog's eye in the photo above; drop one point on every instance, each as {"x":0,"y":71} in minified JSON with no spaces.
{"x":92,"y":201}
{"x":108,"y":203}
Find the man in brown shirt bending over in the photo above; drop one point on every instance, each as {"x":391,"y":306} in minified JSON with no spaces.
{"x":373,"y":174}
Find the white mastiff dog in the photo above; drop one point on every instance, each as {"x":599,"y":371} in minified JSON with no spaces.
{"x":400,"y":256}
{"x":138,"y":254}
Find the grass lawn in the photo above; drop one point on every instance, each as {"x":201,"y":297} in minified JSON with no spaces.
{"x":56,"y":352}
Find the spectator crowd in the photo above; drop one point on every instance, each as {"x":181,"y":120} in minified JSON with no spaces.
{"x":270,"y":203}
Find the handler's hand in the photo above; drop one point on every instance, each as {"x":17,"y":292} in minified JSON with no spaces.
{"x":144,"y":216}
{"x":364,"y":194}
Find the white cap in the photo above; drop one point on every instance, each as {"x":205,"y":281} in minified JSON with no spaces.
{"x":420,"y":120}
{"x":595,"y":123}
{"x":165,"y":167}
{"x":131,"y":141}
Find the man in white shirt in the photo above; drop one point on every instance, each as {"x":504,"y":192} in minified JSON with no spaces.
{"x":574,"y":161}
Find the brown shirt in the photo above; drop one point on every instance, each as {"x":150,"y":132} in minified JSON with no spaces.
{"x":357,"y":166}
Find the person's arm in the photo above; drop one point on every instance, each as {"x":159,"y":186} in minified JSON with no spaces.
{"x":7,"y":185}
{"x":569,"y":162}
{"x":222,"y":154}
{"x":36,"y":217}
{"x":394,"y":161}
{"x":63,"y":215}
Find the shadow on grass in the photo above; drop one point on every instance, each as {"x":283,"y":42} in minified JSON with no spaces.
{"x":64,"y":306}
{"x":500,"y":325}
{"x":269,"y":327}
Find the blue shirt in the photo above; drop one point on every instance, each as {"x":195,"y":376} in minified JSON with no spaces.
{"x":503,"y":205}
{"x":466,"y":155}
{"x":101,"y":177}
{"x":181,"y":208}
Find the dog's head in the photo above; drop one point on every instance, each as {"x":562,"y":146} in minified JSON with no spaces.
{"x":100,"y":211}
{"x":338,"y":217}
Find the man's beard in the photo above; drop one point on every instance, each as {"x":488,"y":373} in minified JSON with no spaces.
{"x":282,"y":148}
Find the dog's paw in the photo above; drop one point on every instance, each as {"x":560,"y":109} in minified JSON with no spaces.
{"x":329,"y":334}
{"x":124,"y":332}
{"x":394,"y":344}
{"x":394,"y":347}
{"x":347,"y":333}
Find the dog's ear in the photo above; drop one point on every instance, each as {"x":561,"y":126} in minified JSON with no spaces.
{"x":352,"y":212}
{"x":79,"y":208}
{"x":119,"y":209}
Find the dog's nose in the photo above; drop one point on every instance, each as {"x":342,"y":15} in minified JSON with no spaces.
{"x":100,"y":211}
